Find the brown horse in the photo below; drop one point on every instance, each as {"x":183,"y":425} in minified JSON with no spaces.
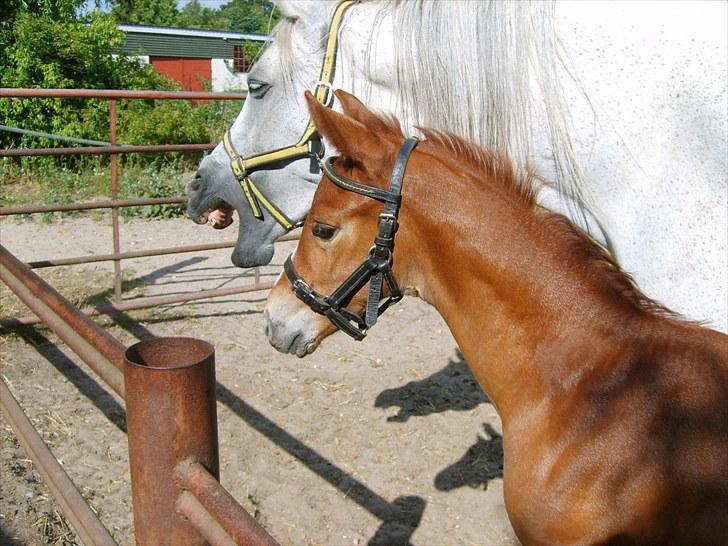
{"x":614,"y":411}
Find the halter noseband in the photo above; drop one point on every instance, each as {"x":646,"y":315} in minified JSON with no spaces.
{"x":309,"y":145}
{"x":375,"y":269}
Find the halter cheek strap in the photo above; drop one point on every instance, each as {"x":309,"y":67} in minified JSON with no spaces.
{"x":376,"y":268}
{"x":308,"y":146}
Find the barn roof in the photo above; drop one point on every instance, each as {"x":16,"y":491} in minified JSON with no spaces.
{"x":182,"y":42}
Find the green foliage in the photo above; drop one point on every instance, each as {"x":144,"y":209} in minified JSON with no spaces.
{"x":92,"y":181}
{"x":162,"y":13}
{"x":253,"y":16}
{"x":53,"y":44}
{"x":160,"y":179}
{"x":182,"y":122}
{"x":49,"y":47}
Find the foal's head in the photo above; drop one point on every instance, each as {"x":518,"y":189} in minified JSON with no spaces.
{"x":340,"y":227}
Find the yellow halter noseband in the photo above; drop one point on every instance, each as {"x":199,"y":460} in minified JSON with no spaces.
{"x":309,"y":145}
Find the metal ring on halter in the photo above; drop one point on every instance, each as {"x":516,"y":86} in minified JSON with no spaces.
{"x":372,"y":254}
{"x":329,"y":102}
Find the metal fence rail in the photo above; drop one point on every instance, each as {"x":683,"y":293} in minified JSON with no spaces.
{"x":79,"y":514}
{"x":116,"y":256}
{"x":168,"y":383}
{"x":198,"y":509}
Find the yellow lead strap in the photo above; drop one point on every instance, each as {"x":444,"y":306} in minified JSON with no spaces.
{"x":243,"y":166}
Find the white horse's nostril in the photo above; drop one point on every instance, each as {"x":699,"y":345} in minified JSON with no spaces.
{"x":201,"y":219}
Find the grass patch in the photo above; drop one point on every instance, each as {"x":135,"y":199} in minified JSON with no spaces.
{"x":91,"y":181}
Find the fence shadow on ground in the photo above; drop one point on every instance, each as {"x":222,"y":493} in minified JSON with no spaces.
{"x":400,"y":518}
{"x":87,"y":385}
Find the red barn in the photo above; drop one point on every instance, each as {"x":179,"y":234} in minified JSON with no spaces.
{"x":198,"y":59}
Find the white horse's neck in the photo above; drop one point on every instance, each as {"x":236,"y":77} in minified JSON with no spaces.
{"x":487,"y":70}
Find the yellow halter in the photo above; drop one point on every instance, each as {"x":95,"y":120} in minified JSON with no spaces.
{"x":309,"y":145}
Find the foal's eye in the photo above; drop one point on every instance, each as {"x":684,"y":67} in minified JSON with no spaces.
{"x":323,"y":231}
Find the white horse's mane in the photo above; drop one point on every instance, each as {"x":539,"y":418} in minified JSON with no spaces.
{"x":483,"y":69}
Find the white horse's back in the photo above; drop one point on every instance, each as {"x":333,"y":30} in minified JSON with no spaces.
{"x":626,"y":113}
{"x":653,"y":141}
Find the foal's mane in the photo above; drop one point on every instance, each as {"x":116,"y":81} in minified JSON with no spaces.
{"x":586,"y":255}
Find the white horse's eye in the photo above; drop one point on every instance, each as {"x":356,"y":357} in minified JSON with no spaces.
{"x":257,"y":89}
{"x":323,"y":231}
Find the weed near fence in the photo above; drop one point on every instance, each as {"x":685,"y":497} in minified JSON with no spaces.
{"x":54,"y":184}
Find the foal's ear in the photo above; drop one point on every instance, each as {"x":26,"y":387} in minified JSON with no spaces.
{"x":352,"y":139}
{"x":354,"y":108}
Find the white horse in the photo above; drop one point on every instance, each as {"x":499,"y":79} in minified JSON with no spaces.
{"x":630,"y":100}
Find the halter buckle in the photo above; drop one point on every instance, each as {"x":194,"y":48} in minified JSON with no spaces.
{"x":300,"y":285}
{"x":328,"y":99}
{"x":316,"y":148}
{"x":238,"y":167}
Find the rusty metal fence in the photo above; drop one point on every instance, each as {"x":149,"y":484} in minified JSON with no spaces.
{"x":167,"y":383}
{"x":169,"y":388}
{"x":115,"y":203}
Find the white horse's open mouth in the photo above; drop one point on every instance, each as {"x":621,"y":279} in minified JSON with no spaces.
{"x":216,"y":211}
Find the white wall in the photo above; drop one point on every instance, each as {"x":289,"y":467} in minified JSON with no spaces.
{"x":223,"y":77}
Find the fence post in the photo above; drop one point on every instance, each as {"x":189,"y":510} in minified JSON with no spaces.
{"x":114,"y":197}
{"x":171,"y":417}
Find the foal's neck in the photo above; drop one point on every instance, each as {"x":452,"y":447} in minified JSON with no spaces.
{"x":527,"y":322}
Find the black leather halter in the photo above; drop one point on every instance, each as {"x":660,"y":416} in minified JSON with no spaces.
{"x":375,"y":269}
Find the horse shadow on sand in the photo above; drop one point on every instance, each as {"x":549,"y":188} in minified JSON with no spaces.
{"x":451,"y":388}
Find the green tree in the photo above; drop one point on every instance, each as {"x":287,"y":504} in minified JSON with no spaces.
{"x":162,"y":13}
{"x":47,"y":44}
{"x":248,"y":16}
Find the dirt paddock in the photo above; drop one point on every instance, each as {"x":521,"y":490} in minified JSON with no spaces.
{"x":385,"y":442}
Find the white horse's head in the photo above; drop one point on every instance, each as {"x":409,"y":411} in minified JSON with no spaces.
{"x":398,"y":58}
{"x":274,"y":116}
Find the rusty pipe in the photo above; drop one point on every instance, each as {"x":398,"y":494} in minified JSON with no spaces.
{"x":145,"y":303}
{"x":99,"y":349}
{"x":171,"y":416}
{"x":106,"y":150}
{"x":25,"y":92}
{"x":190,"y":507}
{"x":130,"y":254}
{"x":240,"y":525}
{"x":108,"y":204}
{"x":81,"y":517}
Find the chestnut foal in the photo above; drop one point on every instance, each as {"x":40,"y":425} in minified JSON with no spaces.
{"x":615,"y":413}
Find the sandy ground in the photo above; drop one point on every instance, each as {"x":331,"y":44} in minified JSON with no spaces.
{"x":385,"y":442}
